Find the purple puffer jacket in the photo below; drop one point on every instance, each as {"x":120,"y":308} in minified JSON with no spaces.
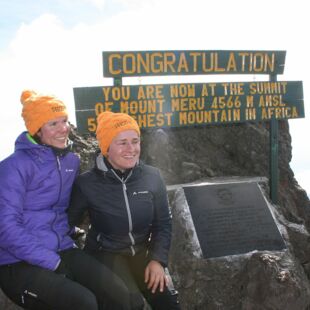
{"x":35,"y":188}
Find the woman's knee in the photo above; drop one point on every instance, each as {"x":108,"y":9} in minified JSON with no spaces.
{"x":137,"y":301}
{"x":85,"y":301}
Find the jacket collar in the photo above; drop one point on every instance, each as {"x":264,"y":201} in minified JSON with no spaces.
{"x":100,"y":164}
{"x":57,"y":151}
{"x":32,"y":143}
{"x":105,"y":167}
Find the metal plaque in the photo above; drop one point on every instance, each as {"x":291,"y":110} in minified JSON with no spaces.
{"x":232,"y":218}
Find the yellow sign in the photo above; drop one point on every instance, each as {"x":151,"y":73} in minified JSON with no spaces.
{"x":121,"y":64}
{"x":175,"y":105}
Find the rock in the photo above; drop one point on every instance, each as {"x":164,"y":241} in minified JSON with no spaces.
{"x":6,"y":304}
{"x":256,"y":280}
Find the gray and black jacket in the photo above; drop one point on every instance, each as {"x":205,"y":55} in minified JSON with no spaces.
{"x":127,"y":213}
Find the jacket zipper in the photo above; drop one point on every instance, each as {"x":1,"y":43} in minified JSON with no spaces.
{"x":133,"y":252}
{"x":59,"y":194}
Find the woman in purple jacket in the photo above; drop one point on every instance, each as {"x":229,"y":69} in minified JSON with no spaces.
{"x":40,"y":267}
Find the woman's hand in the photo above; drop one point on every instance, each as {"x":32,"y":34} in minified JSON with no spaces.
{"x":155,"y":277}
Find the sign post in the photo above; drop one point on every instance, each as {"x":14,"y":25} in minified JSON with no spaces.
{"x":274,"y":153}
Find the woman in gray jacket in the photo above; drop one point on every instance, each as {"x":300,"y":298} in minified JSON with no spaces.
{"x":130,"y":229}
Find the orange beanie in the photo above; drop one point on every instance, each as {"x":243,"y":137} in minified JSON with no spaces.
{"x":39,"y":109}
{"x":109,"y":125}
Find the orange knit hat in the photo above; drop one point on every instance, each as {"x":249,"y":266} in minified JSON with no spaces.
{"x":39,"y":109}
{"x":109,"y":125}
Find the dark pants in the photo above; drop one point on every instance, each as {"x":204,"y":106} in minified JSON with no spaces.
{"x":131,"y":270}
{"x":84,"y":284}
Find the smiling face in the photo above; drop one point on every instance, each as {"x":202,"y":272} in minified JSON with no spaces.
{"x":124,"y":150}
{"x":55,"y":132}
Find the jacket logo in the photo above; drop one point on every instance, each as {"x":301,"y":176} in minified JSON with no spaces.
{"x":69,"y":170}
{"x":136,"y":193}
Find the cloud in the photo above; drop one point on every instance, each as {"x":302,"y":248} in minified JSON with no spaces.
{"x":99,"y":4}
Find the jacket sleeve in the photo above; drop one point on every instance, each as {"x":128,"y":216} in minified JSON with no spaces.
{"x":14,"y":237}
{"x":161,"y":225}
{"x":78,"y":205}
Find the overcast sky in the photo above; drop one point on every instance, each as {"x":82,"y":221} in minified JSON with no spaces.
{"x":55,"y":45}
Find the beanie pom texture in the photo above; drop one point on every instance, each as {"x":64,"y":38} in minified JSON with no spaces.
{"x":26,"y":94}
